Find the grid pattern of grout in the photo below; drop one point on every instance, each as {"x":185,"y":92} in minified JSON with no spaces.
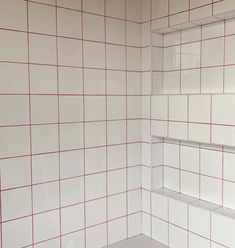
{"x":203,"y":171}
{"x":70,"y":77}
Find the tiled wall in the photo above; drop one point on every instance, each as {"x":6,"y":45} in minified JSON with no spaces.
{"x":70,"y":122}
{"x":202,"y":171}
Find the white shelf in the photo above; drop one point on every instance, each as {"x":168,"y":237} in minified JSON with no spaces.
{"x":140,"y":241}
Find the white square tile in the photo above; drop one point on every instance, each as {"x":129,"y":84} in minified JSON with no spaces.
{"x":133,"y":14}
{"x":23,"y":230}
{"x":182,"y":6}
{"x":71,"y":191}
{"x":116,"y":107}
{"x":229,"y":161}
{"x":77,"y":238}
{"x":133,"y":34}
{"x":116,"y":82}
{"x":91,"y":182}
{"x":229,"y":46}
{"x":171,"y":39}
{"x":97,"y":130}
{"x":199,"y":132}
{"x":159,"y":107}
{"x":71,"y":163}
{"x":16,"y":82}
{"x":160,"y":206}
{"x":42,"y":49}
{"x":198,"y":241}
{"x":115,"y":57}
{"x":229,"y":75}
{"x":133,"y":130}
{"x":213,"y":30}
{"x":45,"y":168}
{"x":45,"y":197}
{"x":71,"y":136}
{"x":72,"y":4}
{"x":15,"y":172}
{"x":211,"y":190}
{"x":134,"y":225}
{"x":221,"y":109}
{"x":190,"y":55}
{"x":199,"y":218}
{"x":115,"y":31}
{"x":69,"y":23}
{"x":93,"y":27}
{"x":178,"y":213}
{"x":134,"y":107}
{"x":116,"y":132}
{"x":223,"y":225}
{"x":116,"y":206}
{"x":91,"y":48}
{"x":54,"y":243}
{"x":17,"y":110}
{"x":116,"y":156}
{"x":72,"y":218}
{"x":116,"y":181}
{"x":95,"y":108}
{"x":95,"y":212}
{"x":116,"y":8}
{"x":172,"y":58}
{"x":43,"y":79}
{"x":177,"y":130}
{"x":189,"y":184}
{"x":171,"y":155}
{"x":16,"y":141}
{"x":190,"y":81}
{"x":228,"y":191}
{"x":94,"y":6}
{"x":134,"y":83}
{"x":223,"y":135}
{"x":191,"y":34}
{"x":209,"y":57}
{"x":177,"y":237}
{"x":134,"y":177}
{"x":38,"y":106}
{"x":178,"y":108}
{"x":70,"y":80}
{"x":189,"y":158}
{"x":13,"y":15}
{"x":10,"y":199}
{"x":10,"y":44}
{"x":134,"y":154}
{"x":42,"y":18}
{"x":96,"y":236}
{"x":171,"y":178}
{"x":134,"y":201}
{"x":212,"y":80}
{"x":69,"y":52}
{"x":68,"y":113}
{"x":95,"y":160}
{"x":171,"y":82}
{"x":94,"y":81}
{"x":46,"y":226}
{"x":117,"y":230}
{"x":159,"y":8}
{"x":200,"y":108}
{"x":160,"y":231}
{"x":211,"y":163}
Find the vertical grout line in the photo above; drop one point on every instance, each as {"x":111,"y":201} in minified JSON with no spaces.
{"x":222,"y":176}
{"x":106,"y":122}
{"x":180,"y":89}
{"x":126,"y":119}
{"x":84,"y":126}
{"x":58,"y":110}
{"x":200,"y":90}
{"x":225,"y":31}
{"x":180,"y":167}
{"x":199,"y":171}
{"x":30,"y":123}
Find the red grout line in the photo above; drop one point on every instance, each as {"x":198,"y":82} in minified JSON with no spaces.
{"x":30,"y":127}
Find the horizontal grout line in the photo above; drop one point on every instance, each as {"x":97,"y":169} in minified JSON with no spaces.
{"x":58,"y":180}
